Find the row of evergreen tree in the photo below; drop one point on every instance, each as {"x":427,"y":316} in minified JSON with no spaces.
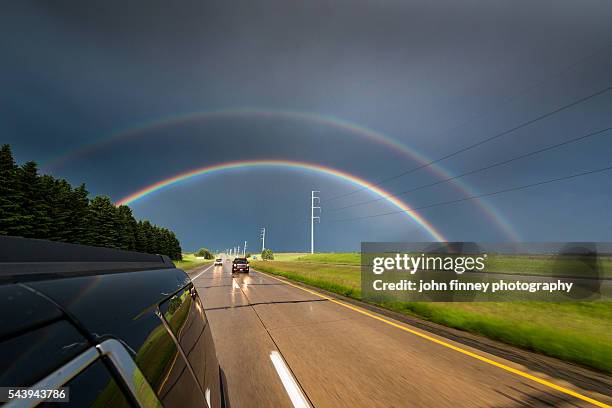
{"x":42,"y":206}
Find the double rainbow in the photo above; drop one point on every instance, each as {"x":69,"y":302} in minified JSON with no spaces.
{"x":141,"y":129}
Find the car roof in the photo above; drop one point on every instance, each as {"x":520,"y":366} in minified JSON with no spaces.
{"x":33,"y":259}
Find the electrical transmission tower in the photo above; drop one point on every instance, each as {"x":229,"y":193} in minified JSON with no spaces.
{"x":263,"y":239}
{"x":314,"y":199}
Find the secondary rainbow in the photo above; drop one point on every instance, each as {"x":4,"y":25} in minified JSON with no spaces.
{"x":216,"y":168}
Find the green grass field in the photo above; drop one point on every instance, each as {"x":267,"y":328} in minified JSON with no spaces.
{"x":543,"y":265}
{"x":580,"y":332}
{"x":350,"y":258}
{"x":190,"y":261}
{"x":528,"y":265}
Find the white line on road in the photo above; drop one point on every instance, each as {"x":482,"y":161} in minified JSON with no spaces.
{"x":200,"y":274}
{"x":291,"y":386}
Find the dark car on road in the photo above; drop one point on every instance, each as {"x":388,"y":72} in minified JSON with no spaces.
{"x":240,"y":265}
{"x":102,"y":327}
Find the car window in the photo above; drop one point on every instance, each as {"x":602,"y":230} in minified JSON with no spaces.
{"x":95,"y":388}
{"x":186,"y":319}
{"x":166,"y":370}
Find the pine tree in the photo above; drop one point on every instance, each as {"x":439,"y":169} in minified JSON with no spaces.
{"x":146,"y":238}
{"x":171,"y":251}
{"x":142,"y":242}
{"x":102,"y":223}
{"x":127,"y":228}
{"x":44,"y":207}
{"x":176,"y":250}
{"x":58,"y":196}
{"x":163,"y":241}
{"x":156,"y":242}
{"x":11,"y":213}
{"x":35,"y":206}
{"x":171,"y":247}
{"x":79,"y":210}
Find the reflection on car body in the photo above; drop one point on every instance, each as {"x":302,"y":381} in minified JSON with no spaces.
{"x":120,"y":328}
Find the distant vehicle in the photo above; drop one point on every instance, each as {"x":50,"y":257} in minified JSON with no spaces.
{"x":218,"y":261}
{"x":254,"y":256}
{"x":240,"y":265}
{"x":63,"y":327}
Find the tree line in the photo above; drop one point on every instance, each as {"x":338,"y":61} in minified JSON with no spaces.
{"x":205,"y":253}
{"x":41,"y":206}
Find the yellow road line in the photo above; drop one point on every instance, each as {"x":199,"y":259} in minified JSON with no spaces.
{"x":453,"y":347}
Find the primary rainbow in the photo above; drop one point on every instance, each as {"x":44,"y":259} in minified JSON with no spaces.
{"x":431,"y":230}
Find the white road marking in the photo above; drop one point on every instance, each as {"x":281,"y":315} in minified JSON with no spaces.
{"x":291,"y":386}
{"x":200,"y":274}
{"x":235,"y":284}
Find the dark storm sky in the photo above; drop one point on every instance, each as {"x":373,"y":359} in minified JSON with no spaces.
{"x":436,"y":76}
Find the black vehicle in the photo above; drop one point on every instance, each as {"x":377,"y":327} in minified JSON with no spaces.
{"x":240,"y":265}
{"x":115,"y":328}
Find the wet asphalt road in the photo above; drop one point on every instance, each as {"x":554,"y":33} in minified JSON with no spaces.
{"x":281,"y":346}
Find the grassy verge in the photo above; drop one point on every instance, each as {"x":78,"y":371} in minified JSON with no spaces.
{"x":580,"y":332}
{"x":190,"y":261}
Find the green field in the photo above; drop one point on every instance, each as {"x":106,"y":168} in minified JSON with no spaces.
{"x":580,"y":332}
{"x":350,"y":258}
{"x":190,"y":261}
{"x":520,"y":264}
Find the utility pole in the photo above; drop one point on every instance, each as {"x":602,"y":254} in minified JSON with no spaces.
{"x":244,"y":250}
{"x":238,"y":251}
{"x":313,"y":197}
{"x":263,"y":239}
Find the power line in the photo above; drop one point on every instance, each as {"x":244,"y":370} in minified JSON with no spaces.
{"x":480,"y":143}
{"x":507,"y":190}
{"x":481,"y":169}
{"x":533,"y":85}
